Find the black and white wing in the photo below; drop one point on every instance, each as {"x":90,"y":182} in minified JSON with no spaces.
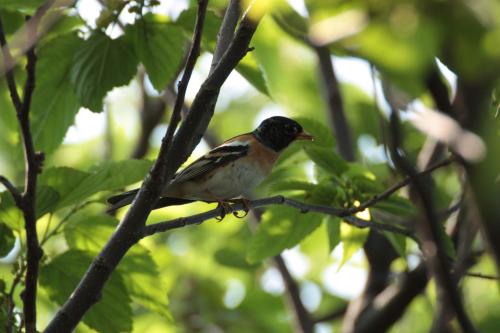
{"x":215,"y":158}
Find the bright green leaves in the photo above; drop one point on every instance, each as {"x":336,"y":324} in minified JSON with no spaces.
{"x":100,"y":64}
{"x":251,"y":71}
{"x":75,"y":186}
{"x":327,"y":159}
{"x":352,"y":239}
{"x":113,"y":312}
{"x":54,"y":103}
{"x":138,"y":269}
{"x":281,"y":228}
{"x":160,"y":46}
{"x":7,"y":239}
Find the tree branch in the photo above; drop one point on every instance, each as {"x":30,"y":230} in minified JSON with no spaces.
{"x":183,"y":143}
{"x":335,"y":105}
{"x":16,"y":195}
{"x":33,"y":163}
{"x":303,"y":319}
{"x":226,"y":31}
{"x":429,"y":227}
{"x":275,"y":200}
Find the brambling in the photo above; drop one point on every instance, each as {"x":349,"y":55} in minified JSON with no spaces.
{"x":228,"y":170}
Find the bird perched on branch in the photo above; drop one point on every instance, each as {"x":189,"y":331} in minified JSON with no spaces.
{"x":229,"y":170}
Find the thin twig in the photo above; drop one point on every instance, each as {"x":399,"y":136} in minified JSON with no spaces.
{"x":482,"y":276}
{"x":334,"y":315}
{"x":407,"y":180}
{"x":428,"y":226}
{"x":303,"y":320}
{"x":275,"y":200}
{"x":16,"y":195}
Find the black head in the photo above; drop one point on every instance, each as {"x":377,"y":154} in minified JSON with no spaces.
{"x":278,"y":132}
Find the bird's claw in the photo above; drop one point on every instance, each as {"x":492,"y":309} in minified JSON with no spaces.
{"x":225,"y":209}
{"x":246,"y":208}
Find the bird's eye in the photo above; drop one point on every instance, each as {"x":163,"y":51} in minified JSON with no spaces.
{"x":290,"y":130}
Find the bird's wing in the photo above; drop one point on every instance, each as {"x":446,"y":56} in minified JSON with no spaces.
{"x":219,"y":156}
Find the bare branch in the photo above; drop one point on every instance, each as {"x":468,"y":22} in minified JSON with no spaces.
{"x":429,"y":227}
{"x":276,"y":200}
{"x":226,"y":31}
{"x":335,"y":105}
{"x":303,"y":319}
{"x":16,"y":195}
{"x":334,"y":315}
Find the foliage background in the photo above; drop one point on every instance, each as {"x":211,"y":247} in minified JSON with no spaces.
{"x":216,"y":277}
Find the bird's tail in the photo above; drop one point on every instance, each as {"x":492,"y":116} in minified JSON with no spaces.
{"x":126,"y":198}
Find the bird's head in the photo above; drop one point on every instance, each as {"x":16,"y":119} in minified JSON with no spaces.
{"x":278,"y":132}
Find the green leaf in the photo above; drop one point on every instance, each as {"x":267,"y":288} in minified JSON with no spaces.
{"x":9,"y":213}
{"x":322,"y":134}
{"x":138,"y":269}
{"x":251,"y":71}
{"x":291,"y":22}
{"x":333,"y":228}
{"x":353,"y":239}
{"x":327,"y":159}
{"x":89,"y":233}
{"x":54,"y":103}
{"x":279,"y":186}
{"x":396,"y":205}
{"x":398,"y":242}
{"x":46,"y":200}
{"x":75,"y":186}
{"x":7,"y":239}
{"x":143,"y":280}
{"x":27,"y":6}
{"x":448,"y":246}
{"x":281,"y":228}
{"x":187,"y":19}
{"x":113,"y":312}
{"x":100,"y":64}
{"x":160,"y":46}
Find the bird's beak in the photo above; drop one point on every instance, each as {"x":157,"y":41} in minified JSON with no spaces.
{"x":304,"y":136}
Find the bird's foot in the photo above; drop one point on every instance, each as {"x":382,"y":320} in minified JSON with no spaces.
{"x":246,"y":207}
{"x":226,"y":208}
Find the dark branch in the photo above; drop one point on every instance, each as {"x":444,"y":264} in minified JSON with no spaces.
{"x":334,"y":315}
{"x":303,"y":319}
{"x":335,"y":105}
{"x":130,"y":228}
{"x":387,"y":193}
{"x":226,"y":31}
{"x":16,"y":195}
{"x":276,"y":200}
{"x":428,"y":227}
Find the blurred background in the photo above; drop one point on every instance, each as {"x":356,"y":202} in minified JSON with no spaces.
{"x":213,"y":280}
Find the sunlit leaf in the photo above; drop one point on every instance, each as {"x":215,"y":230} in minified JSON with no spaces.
{"x":353,"y":239}
{"x":327,"y":159}
{"x":160,"y":46}
{"x":333,"y":228}
{"x":251,"y":71}
{"x":75,"y":186}
{"x":281,"y":228}
{"x":100,"y":64}
{"x":396,"y":205}
{"x":113,"y":312}
{"x":54,"y":103}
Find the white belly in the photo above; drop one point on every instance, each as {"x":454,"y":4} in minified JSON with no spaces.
{"x":236,"y":179}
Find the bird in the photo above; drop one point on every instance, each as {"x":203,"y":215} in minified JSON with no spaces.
{"x":229,"y":170}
